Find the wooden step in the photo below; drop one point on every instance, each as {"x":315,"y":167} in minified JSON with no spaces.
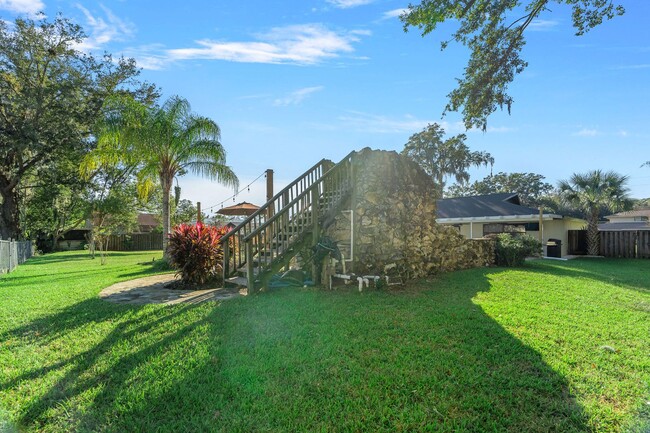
{"x":238,"y":281}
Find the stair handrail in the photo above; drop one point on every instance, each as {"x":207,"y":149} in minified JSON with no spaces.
{"x":264,"y":208}
{"x":280,"y":213}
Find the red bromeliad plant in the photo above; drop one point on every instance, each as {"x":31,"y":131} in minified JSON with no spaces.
{"x":195,"y":252}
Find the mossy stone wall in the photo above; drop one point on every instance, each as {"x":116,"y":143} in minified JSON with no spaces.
{"x":394,"y":222}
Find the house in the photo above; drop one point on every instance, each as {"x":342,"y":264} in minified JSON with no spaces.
{"x":638,"y":219}
{"x":482,"y":215}
{"x":76,"y":239}
{"x":147,"y":222}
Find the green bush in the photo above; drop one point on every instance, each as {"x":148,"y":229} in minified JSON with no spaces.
{"x":512,"y":250}
{"x":195,"y":252}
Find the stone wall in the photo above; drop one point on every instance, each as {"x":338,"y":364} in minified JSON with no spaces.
{"x":394,"y":222}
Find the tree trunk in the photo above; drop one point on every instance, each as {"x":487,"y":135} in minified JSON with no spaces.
{"x":593,"y":236}
{"x":9,"y":221}
{"x":166,"y":217}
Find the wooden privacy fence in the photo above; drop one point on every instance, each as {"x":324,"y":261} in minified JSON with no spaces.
{"x":134,"y":242}
{"x":627,"y":244}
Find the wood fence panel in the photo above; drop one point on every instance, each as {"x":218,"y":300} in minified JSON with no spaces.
{"x":643,"y":245}
{"x":625,"y":244}
{"x":134,"y":242}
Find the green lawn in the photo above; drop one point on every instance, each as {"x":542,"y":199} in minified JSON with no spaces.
{"x":481,"y":350}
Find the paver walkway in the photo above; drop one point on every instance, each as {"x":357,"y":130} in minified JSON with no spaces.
{"x":152,"y":290}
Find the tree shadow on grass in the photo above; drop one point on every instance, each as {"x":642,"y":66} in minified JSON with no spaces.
{"x":60,"y":257}
{"x":628,"y":273}
{"x":422,"y":359}
{"x":86,"y":370}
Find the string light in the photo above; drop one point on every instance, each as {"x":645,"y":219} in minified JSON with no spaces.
{"x":234,"y":196}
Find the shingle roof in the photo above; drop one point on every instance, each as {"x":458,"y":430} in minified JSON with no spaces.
{"x":147,"y":219}
{"x":491,"y":205}
{"x":632,"y":213}
{"x":637,"y":225}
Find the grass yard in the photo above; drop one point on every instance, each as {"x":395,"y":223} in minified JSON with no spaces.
{"x":555,"y":346}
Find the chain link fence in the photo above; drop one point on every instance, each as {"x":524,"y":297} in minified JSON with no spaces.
{"x":13,"y":253}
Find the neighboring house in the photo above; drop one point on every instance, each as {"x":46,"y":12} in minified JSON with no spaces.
{"x":631,"y":220}
{"x":482,"y":215}
{"x":76,"y":239}
{"x":147,"y":222}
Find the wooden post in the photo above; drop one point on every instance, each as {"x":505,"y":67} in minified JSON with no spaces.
{"x":226,"y":261}
{"x":249,"y":267}
{"x":541,"y":228}
{"x":198,"y":211}
{"x":315,"y":234}
{"x":269,"y":192}
{"x":270,"y":211}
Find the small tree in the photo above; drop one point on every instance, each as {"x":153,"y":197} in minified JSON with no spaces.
{"x":443,"y":158}
{"x":112,"y":207}
{"x":593,"y":193}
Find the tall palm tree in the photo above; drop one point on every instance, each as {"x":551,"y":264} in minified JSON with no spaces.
{"x":163,"y":142}
{"x":595,"y":192}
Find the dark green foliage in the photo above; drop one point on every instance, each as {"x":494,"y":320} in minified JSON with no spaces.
{"x":512,"y":250}
{"x":195,"y":252}
{"x":530,"y":187}
{"x":493,"y":30}
{"x":441,"y":158}
{"x":51,"y":95}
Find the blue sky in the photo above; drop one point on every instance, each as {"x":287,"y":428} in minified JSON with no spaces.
{"x":291,"y":82}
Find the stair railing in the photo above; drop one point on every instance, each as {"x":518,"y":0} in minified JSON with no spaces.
{"x":304,"y":214}
{"x":234,"y":256}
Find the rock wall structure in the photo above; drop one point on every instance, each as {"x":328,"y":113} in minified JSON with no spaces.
{"x":394,"y":228}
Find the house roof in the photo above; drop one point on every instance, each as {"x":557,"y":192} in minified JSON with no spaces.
{"x":148,"y":219}
{"x":631,"y":213}
{"x":633,"y":226}
{"x":490,"y":206}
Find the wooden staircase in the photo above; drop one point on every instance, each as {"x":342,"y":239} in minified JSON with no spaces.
{"x":293,"y":219}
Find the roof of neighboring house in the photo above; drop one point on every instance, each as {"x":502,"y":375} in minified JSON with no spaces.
{"x":637,"y":225}
{"x":148,"y":219}
{"x":491,"y":206}
{"x":631,"y":213}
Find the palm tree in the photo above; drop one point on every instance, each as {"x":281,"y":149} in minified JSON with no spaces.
{"x":595,"y":192}
{"x":163,"y":142}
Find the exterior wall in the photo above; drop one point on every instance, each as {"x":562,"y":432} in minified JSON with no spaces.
{"x":68,"y":245}
{"x":394,"y":222}
{"x":552,"y":229}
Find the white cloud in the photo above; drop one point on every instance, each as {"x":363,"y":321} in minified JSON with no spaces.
{"x":345,"y":4}
{"x":586,"y":132}
{"x":394,"y":13}
{"x":379,"y":124}
{"x":542,"y":25}
{"x":29,"y":7}
{"x":639,"y":66}
{"x":297,"y":44}
{"x":295,"y":98}
{"x":104,"y":30}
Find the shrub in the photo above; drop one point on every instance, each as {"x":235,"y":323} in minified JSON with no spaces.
{"x":512,"y":250}
{"x":195,"y":252}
